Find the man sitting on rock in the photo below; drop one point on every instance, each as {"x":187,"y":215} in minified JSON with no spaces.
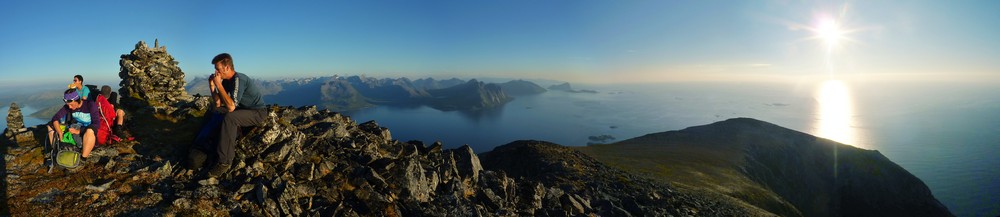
{"x":238,"y":100}
{"x":83,"y":117}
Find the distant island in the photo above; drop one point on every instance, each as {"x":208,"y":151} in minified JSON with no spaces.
{"x":566,"y":87}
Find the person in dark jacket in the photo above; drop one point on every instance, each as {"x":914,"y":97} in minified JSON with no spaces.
{"x":238,"y":103}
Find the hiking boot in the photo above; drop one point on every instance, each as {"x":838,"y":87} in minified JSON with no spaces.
{"x":117,"y":130}
{"x":218,"y":170}
{"x":120,"y":131}
{"x":196,"y":159}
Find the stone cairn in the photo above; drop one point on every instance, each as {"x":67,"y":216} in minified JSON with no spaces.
{"x":151,"y":78}
{"x":15,"y":121}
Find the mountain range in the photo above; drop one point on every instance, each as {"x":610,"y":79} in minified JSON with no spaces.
{"x":356,"y":92}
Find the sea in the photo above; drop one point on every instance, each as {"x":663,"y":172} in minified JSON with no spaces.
{"x":948,"y":135}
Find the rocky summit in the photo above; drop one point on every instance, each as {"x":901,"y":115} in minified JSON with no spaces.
{"x":305,"y":161}
{"x":150,"y":76}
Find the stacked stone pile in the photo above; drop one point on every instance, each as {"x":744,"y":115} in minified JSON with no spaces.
{"x":15,"y":120}
{"x":150,"y":78}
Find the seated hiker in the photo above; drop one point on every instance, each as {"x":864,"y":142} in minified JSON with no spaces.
{"x":111,"y":119}
{"x":117,"y":114}
{"x":239,"y":104}
{"x":78,"y":85}
{"x":77,"y":112}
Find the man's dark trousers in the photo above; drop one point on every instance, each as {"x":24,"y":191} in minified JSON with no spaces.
{"x":230,"y":127}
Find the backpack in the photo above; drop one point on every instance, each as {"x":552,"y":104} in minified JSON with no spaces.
{"x":108,"y":115}
{"x":62,"y":153}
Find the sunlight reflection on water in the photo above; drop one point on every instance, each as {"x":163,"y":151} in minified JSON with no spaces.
{"x":835,"y":113}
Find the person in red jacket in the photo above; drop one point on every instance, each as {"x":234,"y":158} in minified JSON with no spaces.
{"x":111,"y":119}
{"x":118,"y":125}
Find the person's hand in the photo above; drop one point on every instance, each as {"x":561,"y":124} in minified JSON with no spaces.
{"x":211,"y":83}
{"x":74,"y":131}
{"x":217,"y":79}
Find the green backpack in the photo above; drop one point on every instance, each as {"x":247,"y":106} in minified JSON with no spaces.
{"x":65,"y":152}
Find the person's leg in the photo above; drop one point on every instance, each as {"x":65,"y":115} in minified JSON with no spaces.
{"x":120,"y":116}
{"x":88,"y":142}
{"x":52,"y":134}
{"x":230,"y":125}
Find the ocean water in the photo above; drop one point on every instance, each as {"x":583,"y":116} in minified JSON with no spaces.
{"x":948,"y":135}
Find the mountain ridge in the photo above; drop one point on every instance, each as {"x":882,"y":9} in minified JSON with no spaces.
{"x":357,"y":92}
{"x":778,"y":169}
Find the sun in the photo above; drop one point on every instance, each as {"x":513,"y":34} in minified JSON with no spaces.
{"x":829,"y":31}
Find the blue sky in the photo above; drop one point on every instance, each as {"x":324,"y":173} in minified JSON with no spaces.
{"x":581,"y":41}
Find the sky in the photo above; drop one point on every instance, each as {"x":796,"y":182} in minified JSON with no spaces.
{"x":577,"y":41}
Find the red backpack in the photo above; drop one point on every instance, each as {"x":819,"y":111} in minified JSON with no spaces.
{"x":108,"y":115}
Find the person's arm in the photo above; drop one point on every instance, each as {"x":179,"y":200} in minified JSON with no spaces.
{"x":55,"y":121}
{"x":58,"y":128}
{"x":230,"y":105}
{"x":214,"y":90}
{"x":95,"y":116}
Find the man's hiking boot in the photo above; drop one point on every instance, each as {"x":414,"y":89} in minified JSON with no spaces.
{"x":196,"y":159}
{"x":120,"y":131}
{"x":117,"y":130}
{"x":218,"y":170}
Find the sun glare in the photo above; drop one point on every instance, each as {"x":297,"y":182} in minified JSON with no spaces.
{"x":829,"y":31}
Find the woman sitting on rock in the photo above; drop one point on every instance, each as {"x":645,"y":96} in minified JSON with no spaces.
{"x":83,"y":117}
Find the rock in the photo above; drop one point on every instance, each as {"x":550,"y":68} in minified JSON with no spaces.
{"x":110,"y":164}
{"x":374,"y":179}
{"x":467,"y":163}
{"x":46,"y":197}
{"x":209,"y":181}
{"x":245,"y":188}
{"x":104,"y":152}
{"x":207,"y":192}
{"x":165,"y":170}
{"x":373,"y":128}
{"x":182,"y":203}
{"x":261,"y":193}
{"x":415,"y":181}
{"x":100,"y":188}
{"x":288,"y":201}
{"x":571,"y":205}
